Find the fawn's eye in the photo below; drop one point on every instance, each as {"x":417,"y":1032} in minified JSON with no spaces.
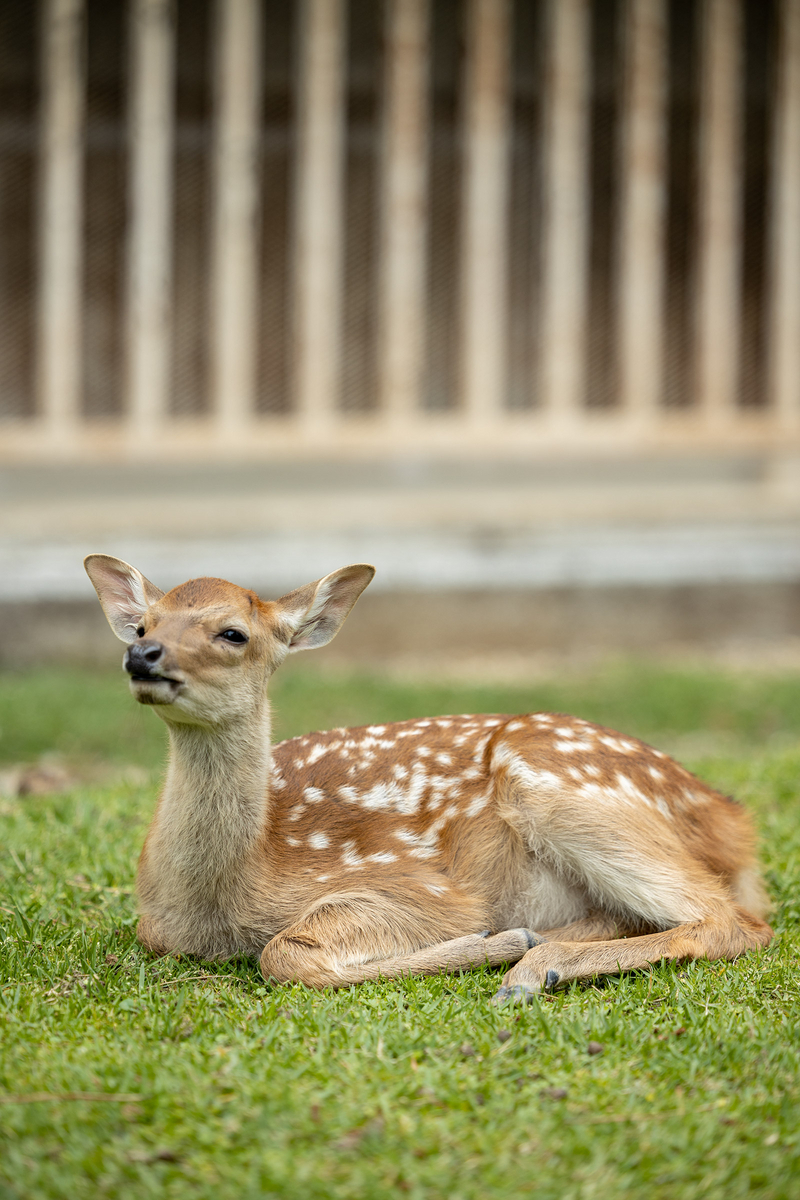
{"x":234,"y":635}
{"x":140,"y":631}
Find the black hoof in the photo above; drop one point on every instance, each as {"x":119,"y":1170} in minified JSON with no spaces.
{"x":533,"y":938}
{"x":513,"y":995}
{"x":551,"y":979}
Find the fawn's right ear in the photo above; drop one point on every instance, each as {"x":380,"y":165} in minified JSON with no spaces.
{"x":124,"y":593}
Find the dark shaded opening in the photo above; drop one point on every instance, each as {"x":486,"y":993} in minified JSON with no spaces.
{"x":278,"y":116}
{"x":19,"y":104}
{"x":105,"y":209}
{"x":192,"y":208}
{"x":525,"y":203}
{"x":605,"y":128}
{"x":682,"y":230}
{"x":444,"y":205}
{"x":363,"y":112}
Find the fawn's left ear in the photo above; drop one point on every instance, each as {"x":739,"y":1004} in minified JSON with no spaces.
{"x":124,"y":593}
{"x":315,"y":613}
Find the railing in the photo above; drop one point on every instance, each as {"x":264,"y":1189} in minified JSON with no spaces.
{"x":586,"y":237}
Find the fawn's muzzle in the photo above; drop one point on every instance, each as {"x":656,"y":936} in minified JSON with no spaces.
{"x":142,"y":659}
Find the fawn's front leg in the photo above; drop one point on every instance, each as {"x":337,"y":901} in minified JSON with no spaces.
{"x":329,"y":947}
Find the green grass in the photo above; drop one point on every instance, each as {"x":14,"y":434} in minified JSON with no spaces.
{"x":218,"y":1086}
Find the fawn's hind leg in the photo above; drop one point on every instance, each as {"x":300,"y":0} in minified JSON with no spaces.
{"x":723,"y":934}
{"x":637,"y":866}
{"x":351,"y":937}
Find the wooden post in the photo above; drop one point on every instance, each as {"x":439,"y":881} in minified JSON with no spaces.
{"x":403,"y":216}
{"x":485,"y":211}
{"x":566,"y":212}
{"x":318,"y":248}
{"x":786,"y":236}
{"x":150,"y":246}
{"x":61,"y":219}
{"x":719,"y":224}
{"x":234,"y":259}
{"x":643,"y":213}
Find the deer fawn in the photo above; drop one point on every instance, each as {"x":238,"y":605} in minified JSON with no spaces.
{"x":411,"y":848}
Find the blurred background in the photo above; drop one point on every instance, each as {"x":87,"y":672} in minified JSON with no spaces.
{"x":502,"y":296}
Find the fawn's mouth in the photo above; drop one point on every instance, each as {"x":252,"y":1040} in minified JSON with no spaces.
{"x":155,"y":689}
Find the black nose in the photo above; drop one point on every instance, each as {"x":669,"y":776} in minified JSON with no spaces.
{"x":141,"y":657}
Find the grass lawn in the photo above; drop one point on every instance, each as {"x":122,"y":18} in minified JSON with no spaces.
{"x":124,"y":1076}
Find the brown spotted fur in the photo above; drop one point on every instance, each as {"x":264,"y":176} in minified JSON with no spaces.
{"x":393,"y":849}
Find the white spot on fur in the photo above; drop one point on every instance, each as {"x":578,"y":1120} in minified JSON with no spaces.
{"x":350,"y":856}
{"x":290,"y":841}
{"x":436,"y":889}
{"x":322,"y":878}
{"x":376,"y":729}
{"x":317,"y":753}
{"x":503,"y":756}
{"x":513,"y":726}
{"x":477,"y":804}
{"x":445,"y":760}
{"x":382,"y":856}
{"x":296,"y":813}
{"x":313,"y":795}
{"x":421,"y":845}
{"x":565,"y":731}
{"x":656,"y":774}
{"x":319,"y":841}
{"x":630,"y":789}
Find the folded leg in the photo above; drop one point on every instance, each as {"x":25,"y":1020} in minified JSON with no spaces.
{"x":351,"y":938}
{"x":724,"y":934}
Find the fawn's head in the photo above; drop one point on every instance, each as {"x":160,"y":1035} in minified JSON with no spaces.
{"x":202,"y":653}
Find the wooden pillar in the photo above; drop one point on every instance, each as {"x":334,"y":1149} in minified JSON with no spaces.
{"x":234,"y":270}
{"x":61,"y":219}
{"x":150,"y":245}
{"x":485,"y":211}
{"x":318,"y":267}
{"x":786,"y":237}
{"x":566,"y":211}
{"x":403,"y":217}
{"x":643,"y":213}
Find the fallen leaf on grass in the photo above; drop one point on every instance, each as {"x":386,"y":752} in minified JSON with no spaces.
{"x":354,"y":1137}
{"x":146,"y":1156}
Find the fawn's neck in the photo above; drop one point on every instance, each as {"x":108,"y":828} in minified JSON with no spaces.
{"x":215,"y":800}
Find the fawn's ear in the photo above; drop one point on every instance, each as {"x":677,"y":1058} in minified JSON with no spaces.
{"x":315,"y":613}
{"x":124,"y":593}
